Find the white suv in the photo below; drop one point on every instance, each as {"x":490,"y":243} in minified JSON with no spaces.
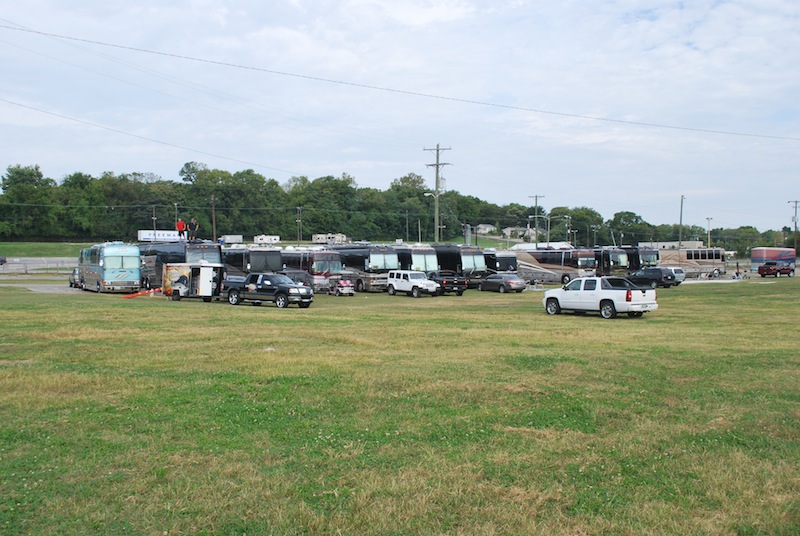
{"x":680,"y":275}
{"x":412,"y":283}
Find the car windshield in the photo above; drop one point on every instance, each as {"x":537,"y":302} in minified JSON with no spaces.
{"x":417,"y":276}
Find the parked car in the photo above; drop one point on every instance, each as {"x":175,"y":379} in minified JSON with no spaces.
{"x":653,"y":277}
{"x":411,"y":282}
{"x":606,"y":295}
{"x":75,"y":278}
{"x":775,"y":269}
{"x":2,"y":260}
{"x":449,"y":281}
{"x":679,"y":273}
{"x":502,"y":283}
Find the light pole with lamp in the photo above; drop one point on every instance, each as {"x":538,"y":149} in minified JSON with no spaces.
{"x":549,"y":219}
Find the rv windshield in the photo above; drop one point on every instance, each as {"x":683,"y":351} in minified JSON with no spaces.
{"x":383,"y":261}
{"x":116,"y":262}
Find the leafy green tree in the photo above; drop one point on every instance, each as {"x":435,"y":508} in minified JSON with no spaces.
{"x":28,"y":200}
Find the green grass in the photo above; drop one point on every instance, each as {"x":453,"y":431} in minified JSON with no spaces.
{"x":41,"y":249}
{"x":390,"y":415}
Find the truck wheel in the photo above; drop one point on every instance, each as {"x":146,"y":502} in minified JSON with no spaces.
{"x":791,"y":274}
{"x":207,"y":299}
{"x":305,"y":305}
{"x":653,"y":284}
{"x":390,"y":290}
{"x":552,"y":307}
{"x":415,"y":292}
{"x":459,"y":293}
{"x":359,"y":285}
{"x":607,"y":309}
{"x":233,"y":297}
{"x":281,"y":301}
{"x":176,"y":295}
{"x":636,"y":314}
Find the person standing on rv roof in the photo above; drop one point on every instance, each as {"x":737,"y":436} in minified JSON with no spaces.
{"x":193,"y":227}
{"x":180,"y":226}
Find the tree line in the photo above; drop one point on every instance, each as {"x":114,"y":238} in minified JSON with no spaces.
{"x":83,"y":208}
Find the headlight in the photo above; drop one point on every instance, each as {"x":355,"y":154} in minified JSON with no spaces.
{"x":294,"y":291}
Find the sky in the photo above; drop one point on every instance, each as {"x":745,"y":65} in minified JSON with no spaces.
{"x":676,"y":111}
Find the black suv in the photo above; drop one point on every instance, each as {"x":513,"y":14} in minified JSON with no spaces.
{"x":653,"y":277}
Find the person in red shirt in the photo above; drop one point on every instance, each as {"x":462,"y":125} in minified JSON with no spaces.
{"x":180,"y":226}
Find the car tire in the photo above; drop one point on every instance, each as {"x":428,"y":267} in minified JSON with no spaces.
{"x":480,"y":286}
{"x":415,"y":292}
{"x":359,"y":285}
{"x":176,"y":295}
{"x":305,"y":305}
{"x":281,"y":301}
{"x":653,"y":284}
{"x":390,"y":289}
{"x":459,"y":293}
{"x":502,"y":289}
{"x":234,"y":298}
{"x":636,"y":314}
{"x":607,"y":309}
{"x":791,"y":274}
{"x":552,"y":307}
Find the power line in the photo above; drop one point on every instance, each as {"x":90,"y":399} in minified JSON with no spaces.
{"x":405,"y":92}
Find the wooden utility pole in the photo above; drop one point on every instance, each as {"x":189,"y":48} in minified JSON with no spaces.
{"x":680,"y":226}
{"x":436,"y":191}
{"x":795,"y":223}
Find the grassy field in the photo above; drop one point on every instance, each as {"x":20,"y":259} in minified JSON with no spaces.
{"x":41,"y":249}
{"x":477,"y":414}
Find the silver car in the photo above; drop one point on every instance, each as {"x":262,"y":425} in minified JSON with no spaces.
{"x":503,"y":283}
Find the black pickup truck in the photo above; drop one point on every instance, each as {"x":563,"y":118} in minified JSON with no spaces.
{"x":449,"y":281}
{"x":258,"y":288}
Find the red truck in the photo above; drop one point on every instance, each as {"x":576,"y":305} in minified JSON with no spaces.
{"x":776,"y":269}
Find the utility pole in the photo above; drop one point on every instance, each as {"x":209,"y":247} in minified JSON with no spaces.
{"x":536,"y":217}
{"x":680,"y":226}
{"x":299,"y":222}
{"x":437,"y":228}
{"x":214,"y":218}
{"x":154,"y":222}
{"x":708,"y":227}
{"x":795,"y":222}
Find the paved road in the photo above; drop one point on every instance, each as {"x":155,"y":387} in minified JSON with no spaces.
{"x":26,"y":265}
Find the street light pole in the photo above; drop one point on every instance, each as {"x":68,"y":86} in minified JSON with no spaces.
{"x":536,"y":217}
{"x":708,"y":230}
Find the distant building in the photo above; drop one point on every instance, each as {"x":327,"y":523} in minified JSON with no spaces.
{"x":329,"y":238}
{"x":266,"y":239}
{"x":485,"y":228}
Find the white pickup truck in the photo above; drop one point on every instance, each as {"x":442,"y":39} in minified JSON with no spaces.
{"x":606,"y":295}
